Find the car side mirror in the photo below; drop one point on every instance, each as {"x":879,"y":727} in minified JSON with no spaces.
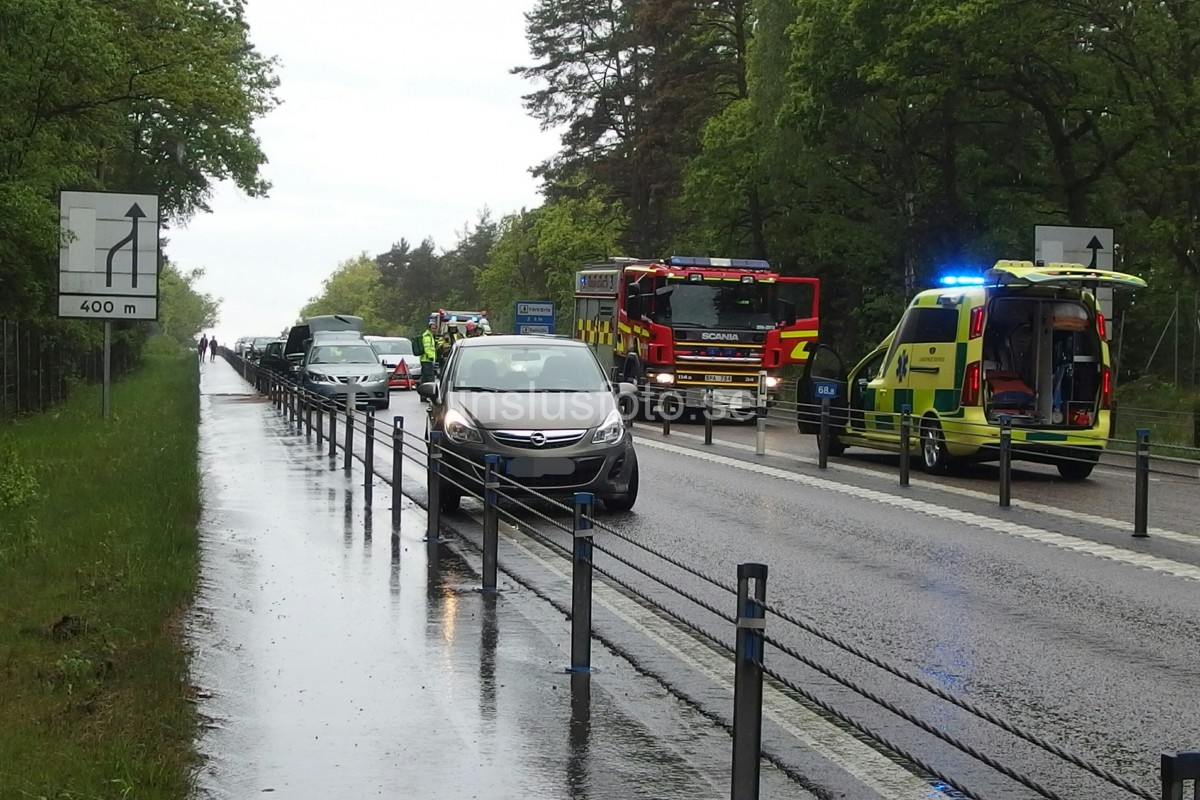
{"x":428,"y":391}
{"x":626,"y":388}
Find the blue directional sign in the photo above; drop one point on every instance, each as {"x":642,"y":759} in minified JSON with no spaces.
{"x":534,"y":316}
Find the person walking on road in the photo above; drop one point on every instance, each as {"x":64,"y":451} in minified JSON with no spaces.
{"x":212,"y":348}
{"x":203,"y":345}
{"x":428,"y":352}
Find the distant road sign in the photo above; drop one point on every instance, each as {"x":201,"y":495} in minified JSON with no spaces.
{"x":1092,"y":247}
{"x":534,"y":316}
{"x":108,"y":262}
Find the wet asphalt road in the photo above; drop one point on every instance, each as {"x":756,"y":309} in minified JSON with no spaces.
{"x":335,"y":660}
{"x":1055,"y":620}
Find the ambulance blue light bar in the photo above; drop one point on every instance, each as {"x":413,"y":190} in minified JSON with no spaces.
{"x":735,"y":263}
{"x":961,"y":280}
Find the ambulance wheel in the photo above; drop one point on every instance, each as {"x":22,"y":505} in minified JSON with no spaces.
{"x":934,"y":455}
{"x":836,"y":448}
{"x":1076,"y":469}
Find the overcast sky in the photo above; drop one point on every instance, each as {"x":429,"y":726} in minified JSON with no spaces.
{"x":398,"y":119}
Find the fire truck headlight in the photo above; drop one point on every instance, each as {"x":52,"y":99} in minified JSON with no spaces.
{"x":460,"y":430}
{"x":664,"y":378}
{"x":772,"y":382}
{"x":611,"y":431}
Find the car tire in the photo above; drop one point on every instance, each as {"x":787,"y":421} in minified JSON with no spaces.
{"x":384,"y":405}
{"x":934,"y":456}
{"x":836,"y":448}
{"x":625,"y":500}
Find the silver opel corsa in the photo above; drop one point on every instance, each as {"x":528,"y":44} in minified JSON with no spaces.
{"x":545,"y":407}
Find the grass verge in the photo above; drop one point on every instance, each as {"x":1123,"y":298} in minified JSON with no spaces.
{"x":97,"y":563}
{"x":1168,"y":412}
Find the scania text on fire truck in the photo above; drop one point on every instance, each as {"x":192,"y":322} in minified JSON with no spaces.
{"x":681,"y":325}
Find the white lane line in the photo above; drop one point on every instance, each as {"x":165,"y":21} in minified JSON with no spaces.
{"x":862,"y":762}
{"x":1063,"y":541}
{"x":1076,"y":516}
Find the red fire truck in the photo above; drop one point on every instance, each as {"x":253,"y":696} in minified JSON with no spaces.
{"x":681,"y":325}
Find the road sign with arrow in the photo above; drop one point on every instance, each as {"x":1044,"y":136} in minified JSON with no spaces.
{"x":1092,"y":247}
{"x":108,"y":260}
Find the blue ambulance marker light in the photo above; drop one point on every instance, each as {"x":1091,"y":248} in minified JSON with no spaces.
{"x":961,"y":280}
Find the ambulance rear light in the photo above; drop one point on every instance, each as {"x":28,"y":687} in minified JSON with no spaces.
{"x":971,"y":381}
{"x":976,"y":322}
{"x":734,"y":263}
{"x":1101,"y":326}
{"x":1106,"y":388}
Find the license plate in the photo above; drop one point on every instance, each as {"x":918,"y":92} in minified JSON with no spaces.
{"x":718,"y":379}
{"x":536,"y":467}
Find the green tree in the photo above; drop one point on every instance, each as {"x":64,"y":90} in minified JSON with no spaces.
{"x":354,"y":288}
{"x":183,"y":311}
{"x":156,"y":96}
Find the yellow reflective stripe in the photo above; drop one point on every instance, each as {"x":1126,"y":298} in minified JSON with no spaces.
{"x":799,"y":334}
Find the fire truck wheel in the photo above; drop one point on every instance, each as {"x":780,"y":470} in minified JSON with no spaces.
{"x":624,"y":502}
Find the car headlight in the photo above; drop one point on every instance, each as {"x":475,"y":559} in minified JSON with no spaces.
{"x":611,"y":431}
{"x":318,"y":377}
{"x":664,"y":377}
{"x":459,"y":428}
{"x":379,"y":376}
{"x":772,"y":382}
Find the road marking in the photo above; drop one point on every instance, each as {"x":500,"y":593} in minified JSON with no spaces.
{"x":863,"y":762}
{"x":1076,"y":516}
{"x":1060,"y":540}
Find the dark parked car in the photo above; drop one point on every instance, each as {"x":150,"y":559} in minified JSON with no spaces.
{"x":272,"y":358}
{"x":545,"y":406}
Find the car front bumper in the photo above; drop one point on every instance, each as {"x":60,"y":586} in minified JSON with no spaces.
{"x":372,"y":393}
{"x":603,"y":470}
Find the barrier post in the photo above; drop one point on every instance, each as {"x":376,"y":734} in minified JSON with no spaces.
{"x":433,"y":528}
{"x":308,"y":417}
{"x":665,"y":413}
{"x":581,"y":583}
{"x":491,"y":520}
{"x":1176,"y":769}
{"x":905,"y":432}
{"x":332,"y":428}
{"x":708,"y":415}
{"x":1141,"y":483}
{"x":301,"y":407}
{"x":760,"y":413}
{"x":748,"y":681}
{"x":319,"y":410}
{"x":348,"y":454}
{"x":397,"y":468}
{"x":823,"y":436}
{"x":369,"y":457}
{"x":1005,"y":460}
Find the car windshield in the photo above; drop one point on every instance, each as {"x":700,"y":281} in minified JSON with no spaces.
{"x":527,"y":368}
{"x":343,"y":354}
{"x":263,"y":341}
{"x":745,"y":306}
{"x":392,"y":347}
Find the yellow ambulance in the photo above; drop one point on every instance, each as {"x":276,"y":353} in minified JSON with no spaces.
{"x":1025,"y":341}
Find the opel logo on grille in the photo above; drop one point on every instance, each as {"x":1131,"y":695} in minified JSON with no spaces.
{"x":537,"y":438}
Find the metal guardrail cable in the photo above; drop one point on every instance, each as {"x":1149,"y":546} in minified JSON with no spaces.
{"x":598,"y":525}
{"x":983,"y":714}
{"x":545,"y":517}
{"x":912,"y":758}
{"x":661,"y":581}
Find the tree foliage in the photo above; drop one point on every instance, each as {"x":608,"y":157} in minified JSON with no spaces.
{"x":183,"y":311}
{"x":353,"y":288}
{"x":155,"y":96}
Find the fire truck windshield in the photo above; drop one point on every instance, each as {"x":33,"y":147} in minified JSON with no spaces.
{"x":744,"y":306}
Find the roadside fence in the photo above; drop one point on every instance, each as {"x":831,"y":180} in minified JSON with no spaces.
{"x":928,"y":440}
{"x":770,"y":647}
{"x":39,"y":365}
